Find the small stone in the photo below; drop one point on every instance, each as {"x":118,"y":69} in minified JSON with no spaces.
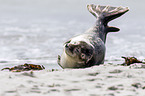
{"x":112,"y":88}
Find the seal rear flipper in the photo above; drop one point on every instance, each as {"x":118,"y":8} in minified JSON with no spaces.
{"x":107,"y":13}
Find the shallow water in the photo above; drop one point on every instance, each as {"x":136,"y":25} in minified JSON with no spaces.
{"x":33,"y":31}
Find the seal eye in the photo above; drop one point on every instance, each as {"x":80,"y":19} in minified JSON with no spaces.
{"x":83,"y":56}
{"x":75,"y":42}
{"x":68,"y":42}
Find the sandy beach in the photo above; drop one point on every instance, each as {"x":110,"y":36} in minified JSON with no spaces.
{"x":103,"y":80}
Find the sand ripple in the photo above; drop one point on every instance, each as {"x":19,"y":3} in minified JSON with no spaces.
{"x":103,"y":80}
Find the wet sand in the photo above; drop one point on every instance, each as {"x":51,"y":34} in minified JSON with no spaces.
{"x":103,"y":80}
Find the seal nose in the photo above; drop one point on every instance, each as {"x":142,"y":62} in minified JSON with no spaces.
{"x":66,"y":45}
{"x":70,"y":47}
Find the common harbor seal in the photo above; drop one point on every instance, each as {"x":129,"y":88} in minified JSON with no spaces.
{"x":88,"y":49}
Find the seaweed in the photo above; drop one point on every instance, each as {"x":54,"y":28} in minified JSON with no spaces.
{"x":130,"y":60}
{"x":24,"y":67}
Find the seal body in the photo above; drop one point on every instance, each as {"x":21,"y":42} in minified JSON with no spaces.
{"x":82,"y":51}
{"x":88,"y":49}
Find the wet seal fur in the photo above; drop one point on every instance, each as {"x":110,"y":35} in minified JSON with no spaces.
{"x":88,"y":49}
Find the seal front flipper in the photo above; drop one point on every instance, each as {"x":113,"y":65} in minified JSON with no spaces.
{"x":112,"y":29}
{"x":58,"y":61}
{"x":104,"y":14}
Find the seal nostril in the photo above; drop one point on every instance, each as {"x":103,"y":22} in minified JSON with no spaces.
{"x":66,"y":45}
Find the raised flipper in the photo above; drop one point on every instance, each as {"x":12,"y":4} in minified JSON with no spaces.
{"x":106,"y":14}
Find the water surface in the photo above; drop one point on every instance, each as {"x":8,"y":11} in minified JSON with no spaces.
{"x":33,"y":31}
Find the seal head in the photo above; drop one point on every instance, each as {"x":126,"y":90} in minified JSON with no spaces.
{"x":76,"y":54}
{"x":80,"y":51}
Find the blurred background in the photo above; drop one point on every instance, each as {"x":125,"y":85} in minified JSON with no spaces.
{"x":33,"y":31}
